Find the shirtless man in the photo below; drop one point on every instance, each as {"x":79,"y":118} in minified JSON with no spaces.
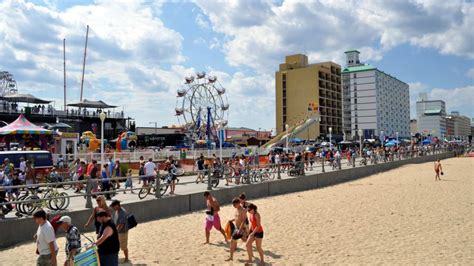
{"x":240,"y":215}
{"x":438,"y":169}
{"x":212,"y":218}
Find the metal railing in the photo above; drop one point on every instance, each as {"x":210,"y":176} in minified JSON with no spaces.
{"x":288,"y":168}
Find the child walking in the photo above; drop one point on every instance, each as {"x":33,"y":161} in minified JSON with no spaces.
{"x":129,"y":182}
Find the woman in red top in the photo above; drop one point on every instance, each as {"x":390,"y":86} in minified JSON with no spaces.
{"x":256,"y":233}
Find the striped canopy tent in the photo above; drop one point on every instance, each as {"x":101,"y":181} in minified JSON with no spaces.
{"x":22,"y":126}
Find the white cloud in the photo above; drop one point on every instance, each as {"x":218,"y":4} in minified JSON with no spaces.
{"x":457,"y":99}
{"x":202,"y":21}
{"x":261,"y":33}
{"x":470,"y":73}
{"x":127,"y":44}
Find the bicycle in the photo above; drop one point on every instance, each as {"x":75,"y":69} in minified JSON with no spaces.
{"x":50,"y":198}
{"x":219,"y":172}
{"x":56,"y":178}
{"x":151,"y":187}
{"x":263,"y":174}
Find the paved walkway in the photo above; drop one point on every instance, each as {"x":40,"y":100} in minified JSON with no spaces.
{"x":186,"y":185}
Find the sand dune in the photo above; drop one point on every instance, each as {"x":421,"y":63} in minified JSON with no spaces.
{"x":398,"y":217}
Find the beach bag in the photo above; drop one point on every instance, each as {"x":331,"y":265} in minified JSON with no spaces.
{"x":131,"y":221}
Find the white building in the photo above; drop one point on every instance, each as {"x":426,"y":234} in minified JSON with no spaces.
{"x":431,"y":117}
{"x":461,"y":125}
{"x":373,"y":101}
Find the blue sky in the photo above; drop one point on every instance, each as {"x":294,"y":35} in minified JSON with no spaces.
{"x":140,"y":52}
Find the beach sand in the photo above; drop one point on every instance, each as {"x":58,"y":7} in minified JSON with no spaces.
{"x":398,"y":217}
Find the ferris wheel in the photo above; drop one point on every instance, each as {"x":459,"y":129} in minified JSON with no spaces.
{"x":201,"y":105}
{"x":7,"y":84}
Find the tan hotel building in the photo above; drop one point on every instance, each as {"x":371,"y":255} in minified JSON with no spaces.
{"x":298,"y":85}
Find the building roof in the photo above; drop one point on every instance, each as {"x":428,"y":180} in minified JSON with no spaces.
{"x":432,"y":112}
{"x":91,"y":104}
{"x":358,"y":68}
{"x":350,"y":51}
{"x":24,"y":98}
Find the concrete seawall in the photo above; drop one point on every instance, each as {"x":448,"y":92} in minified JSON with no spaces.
{"x":22,"y":230}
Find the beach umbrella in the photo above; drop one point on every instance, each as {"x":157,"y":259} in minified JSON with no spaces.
{"x":345,"y":142}
{"x":296,"y":140}
{"x":426,"y":141}
{"x":390,"y":144}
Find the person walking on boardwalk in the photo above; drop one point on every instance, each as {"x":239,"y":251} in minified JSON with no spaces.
{"x":438,"y":169}
{"x":212,"y":218}
{"x":239,"y":226}
{"x":256,"y":233}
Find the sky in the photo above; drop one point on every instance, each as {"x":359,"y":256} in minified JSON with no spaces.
{"x":140,"y":51}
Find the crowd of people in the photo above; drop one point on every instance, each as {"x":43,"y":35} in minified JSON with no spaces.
{"x":243,"y":226}
{"x":10,"y":177}
{"x":111,"y":227}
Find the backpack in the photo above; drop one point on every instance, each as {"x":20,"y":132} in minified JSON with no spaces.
{"x":131,"y":221}
{"x":54,"y":222}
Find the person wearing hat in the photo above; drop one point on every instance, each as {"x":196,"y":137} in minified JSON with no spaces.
{"x":119,"y":216}
{"x":73,"y":239}
{"x":46,"y":246}
{"x":108,"y":245}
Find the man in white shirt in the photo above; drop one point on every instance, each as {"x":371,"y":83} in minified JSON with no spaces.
{"x":150,"y":169}
{"x":46,"y":246}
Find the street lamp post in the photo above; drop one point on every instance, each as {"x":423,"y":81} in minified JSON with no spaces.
{"x":396,"y":133}
{"x":102,"y":119}
{"x":156,"y":126}
{"x":330,"y":137}
{"x":381,"y":137}
{"x":286,"y":127}
{"x":221,"y":136}
{"x":360,"y":142}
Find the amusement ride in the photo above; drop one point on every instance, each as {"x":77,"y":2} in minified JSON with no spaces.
{"x":202,"y":108}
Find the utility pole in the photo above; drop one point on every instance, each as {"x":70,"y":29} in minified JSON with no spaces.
{"x":156,"y":124}
{"x":64,"y":70}
{"x":84,"y":63}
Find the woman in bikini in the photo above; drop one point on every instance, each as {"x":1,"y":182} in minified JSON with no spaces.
{"x":256,"y":233}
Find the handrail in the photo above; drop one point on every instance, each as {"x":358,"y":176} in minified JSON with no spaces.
{"x":252,"y":167}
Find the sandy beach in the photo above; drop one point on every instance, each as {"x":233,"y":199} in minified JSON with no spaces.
{"x":398,"y":217}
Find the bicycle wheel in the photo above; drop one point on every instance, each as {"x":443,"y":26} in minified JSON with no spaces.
{"x":51,"y":200}
{"x":228,"y":171}
{"x":179,"y":171}
{"x":163,"y":190}
{"x":144,"y":191}
{"x":264,"y":176}
{"x":67,"y":186}
{"x":272,"y":174}
{"x":20,"y":206}
{"x":62,"y":202}
{"x":31,"y":207}
{"x":215,"y":181}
